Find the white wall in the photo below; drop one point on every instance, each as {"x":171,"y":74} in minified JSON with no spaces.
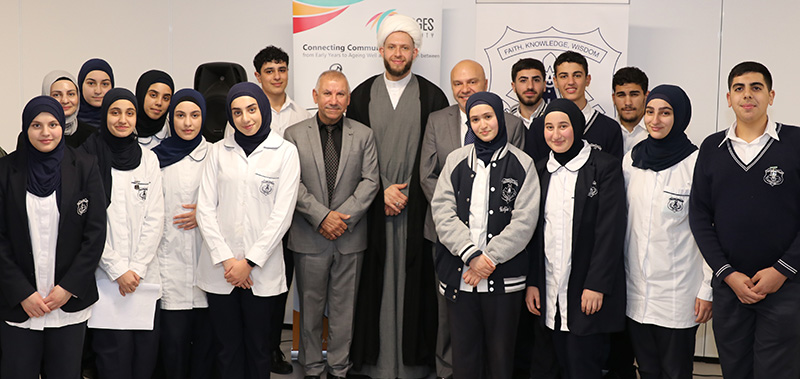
{"x":685,"y":42}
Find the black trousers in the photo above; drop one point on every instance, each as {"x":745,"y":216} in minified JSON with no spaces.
{"x":127,"y":354}
{"x":620,"y":355}
{"x":663,"y":353}
{"x":278,"y":306}
{"x":54,"y":351}
{"x":483,"y":329}
{"x":186,"y":346}
{"x":580,"y":357}
{"x":760,"y":340}
{"x":241,"y":323}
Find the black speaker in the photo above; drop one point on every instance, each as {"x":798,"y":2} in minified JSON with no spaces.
{"x":213,"y":80}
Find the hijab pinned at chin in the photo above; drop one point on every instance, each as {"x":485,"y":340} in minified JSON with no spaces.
{"x":249,"y":143}
{"x":659,"y":154}
{"x":44,"y":168}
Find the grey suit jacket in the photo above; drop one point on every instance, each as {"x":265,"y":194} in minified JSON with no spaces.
{"x":356,"y":186}
{"x":442,"y":136}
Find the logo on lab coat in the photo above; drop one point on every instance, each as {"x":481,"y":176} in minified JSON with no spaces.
{"x":141,"y":189}
{"x":773,"y":176}
{"x":266,"y":187}
{"x":83,"y":206}
{"x":675,"y":204}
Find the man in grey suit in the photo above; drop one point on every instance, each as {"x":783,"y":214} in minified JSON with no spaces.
{"x":446,"y":131}
{"x":338,"y":182}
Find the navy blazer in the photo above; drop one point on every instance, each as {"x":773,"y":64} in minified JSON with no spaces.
{"x":81,"y":233}
{"x":598,"y":237}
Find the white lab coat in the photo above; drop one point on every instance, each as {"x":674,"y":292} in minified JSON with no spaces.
{"x":179,"y":250}
{"x":244,"y":208}
{"x":664,"y":269}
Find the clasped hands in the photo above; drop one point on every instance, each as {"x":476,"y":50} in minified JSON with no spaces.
{"x":237,"y":272}
{"x":752,"y":290}
{"x":36,"y":306}
{"x":333,"y":226}
{"x":479,"y":268}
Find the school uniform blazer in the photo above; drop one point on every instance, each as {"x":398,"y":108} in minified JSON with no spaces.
{"x":598,"y":236}
{"x":355,"y":188}
{"x":442,"y":137}
{"x":81,"y":233}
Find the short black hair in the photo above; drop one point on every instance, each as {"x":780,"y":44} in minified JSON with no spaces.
{"x":570,"y":56}
{"x":270,"y":54}
{"x":627,"y":75}
{"x":527,"y":64}
{"x":750,"y":66}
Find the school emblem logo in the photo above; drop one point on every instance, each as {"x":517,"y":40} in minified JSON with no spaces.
{"x":509,"y":192}
{"x":546,"y":45}
{"x":773,"y":176}
{"x":266,"y":187}
{"x":675,"y":204}
{"x":593,"y":189}
{"x":141,"y":189}
{"x":83,"y":206}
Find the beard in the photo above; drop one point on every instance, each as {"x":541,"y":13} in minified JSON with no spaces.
{"x":528,"y":103}
{"x":397,"y":73}
{"x":630,"y":119}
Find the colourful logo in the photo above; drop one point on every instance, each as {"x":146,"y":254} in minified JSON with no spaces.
{"x":308,"y":14}
{"x":376,"y":20}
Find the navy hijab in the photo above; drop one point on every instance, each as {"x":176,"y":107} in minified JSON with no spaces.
{"x":88,"y":113}
{"x":249,"y":143}
{"x":174,"y":148}
{"x":659,"y":154}
{"x":485,"y":150}
{"x":578,"y":122}
{"x":44,"y":169}
{"x":146,"y":126}
{"x":123,"y":154}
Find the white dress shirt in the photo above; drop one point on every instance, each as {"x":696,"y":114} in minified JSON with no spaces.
{"x":244,"y":208}
{"x":748,"y":151}
{"x":396,"y":88}
{"x":135,"y":222}
{"x":630,"y":139}
{"x":558,"y":217}
{"x":536,"y":113}
{"x":43,"y":220}
{"x":464,"y":129}
{"x":179,"y":250}
{"x":664,"y":268}
{"x":155,"y":140}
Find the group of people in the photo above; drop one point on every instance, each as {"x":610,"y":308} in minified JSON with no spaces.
{"x":549,"y":242}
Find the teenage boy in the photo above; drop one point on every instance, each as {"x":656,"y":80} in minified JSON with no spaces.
{"x":629,"y":87}
{"x":572,"y":78}
{"x":745,"y":216}
{"x":528,"y":82}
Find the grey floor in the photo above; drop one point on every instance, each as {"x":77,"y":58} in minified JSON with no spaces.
{"x":701,"y":369}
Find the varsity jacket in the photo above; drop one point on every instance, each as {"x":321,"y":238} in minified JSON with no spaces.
{"x":513,"y":209}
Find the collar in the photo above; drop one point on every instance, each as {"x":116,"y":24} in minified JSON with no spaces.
{"x":288,"y":103}
{"x":539,"y":110}
{"x":588,"y":111}
{"x":199,"y":152}
{"x":771,"y":130}
{"x":400,"y":84}
{"x":473,"y":159}
{"x":639,"y":126}
{"x":273,"y":141}
{"x":575,"y":164}
{"x":338,"y":124}
{"x":463,"y":119}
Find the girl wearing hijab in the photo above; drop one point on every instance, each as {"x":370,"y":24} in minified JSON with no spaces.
{"x":485,"y":207}
{"x":576,"y":283}
{"x":132,"y":181}
{"x":247,"y":198}
{"x":61,"y":86}
{"x":52,"y":228}
{"x":185,"y":347}
{"x":95,"y":78}
{"x":153,"y":91}
{"x":668,"y":282}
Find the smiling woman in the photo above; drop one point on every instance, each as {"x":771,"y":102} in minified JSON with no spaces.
{"x":95,"y":79}
{"x":62,"y":86}
{"x":154,"y":93}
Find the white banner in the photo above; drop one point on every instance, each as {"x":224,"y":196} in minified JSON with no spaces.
{"x":342,"y":35}
{"x":543,"y":31}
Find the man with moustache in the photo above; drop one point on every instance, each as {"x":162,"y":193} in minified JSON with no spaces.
{"x":571,"y":79}
{"x":528,"y":82}
{"x":338,"y":180}
{"x":395,"y":332}
{"x":630,"y":93}
{"x":447,"y":130}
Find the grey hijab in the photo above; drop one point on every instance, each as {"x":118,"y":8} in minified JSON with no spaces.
{"x":71,"y":124}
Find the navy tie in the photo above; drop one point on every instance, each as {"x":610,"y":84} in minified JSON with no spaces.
{"x":469,"y":138}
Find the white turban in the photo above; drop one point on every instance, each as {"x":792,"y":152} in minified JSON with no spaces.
{"x":400,"y":23}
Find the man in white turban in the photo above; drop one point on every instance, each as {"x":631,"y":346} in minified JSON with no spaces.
{"x":395,"y":322}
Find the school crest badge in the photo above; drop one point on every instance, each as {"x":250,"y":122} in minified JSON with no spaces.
{"x":509,"y":192}
{"x":773,"y":176}
{"x":141,"y":189}
{"x":266,"y":187}
{"x":593,"y":189}
{"x":83,"y":206}
{"x":675,"y":204}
